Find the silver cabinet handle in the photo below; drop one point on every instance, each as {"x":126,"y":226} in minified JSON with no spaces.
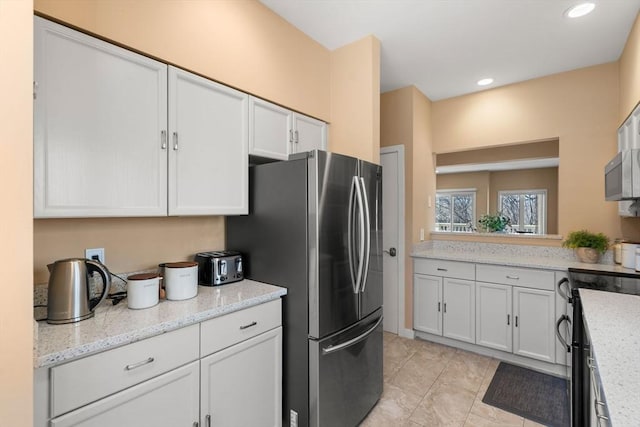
{"x":290,"y":135}
{"x":442,"y":269}
{"x":508,"y":319}
{"x":163,"y":138}
{"x":516,"y":321}
{"x":254,"y":323}
{"x":513,"y":277}
{"x":438,"y":307}
{"x":207,"y":419}
{"x":445,"y":307}
{"x":175,"y":141}
{"x":195,"y":424}
{"x":139,"y":364}
{"x":296,"y":139}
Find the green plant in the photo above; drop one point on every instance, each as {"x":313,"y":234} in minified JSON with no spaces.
{"x":492,"y":223}
{"x":586,"y":239}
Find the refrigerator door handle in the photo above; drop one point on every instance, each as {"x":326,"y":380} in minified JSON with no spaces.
{"x":362,"y":237}
{"x":350,"y":236}
{"x":333,"y":348}
{"x":367,"y":224}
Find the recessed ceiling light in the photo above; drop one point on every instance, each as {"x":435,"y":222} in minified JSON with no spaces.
{"x":580,"y":9}
{"x":485,"y":82}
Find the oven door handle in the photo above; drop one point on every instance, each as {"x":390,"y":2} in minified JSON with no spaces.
{"x":564,"y":295}
{"x":563,"y":318}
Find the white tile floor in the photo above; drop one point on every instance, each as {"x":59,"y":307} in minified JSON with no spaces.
{"x":428,"y":384}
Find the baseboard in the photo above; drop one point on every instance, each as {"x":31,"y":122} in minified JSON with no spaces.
{"x":406,"y":333}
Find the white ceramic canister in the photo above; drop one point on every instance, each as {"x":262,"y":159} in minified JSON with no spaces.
{"x":143,"y":290}
{"x":181,"y":280}
{"x":629,"y":255}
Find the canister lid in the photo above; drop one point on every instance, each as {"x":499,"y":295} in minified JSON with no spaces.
{"x":142,"y":276}
{"x":182,"y":264}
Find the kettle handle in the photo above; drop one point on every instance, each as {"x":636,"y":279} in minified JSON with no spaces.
{"x":106,"y":280}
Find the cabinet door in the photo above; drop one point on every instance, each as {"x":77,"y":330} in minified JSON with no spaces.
{"x":168,"y":400}
{"x":459,"y":309}
{"x":309,"y":134}
{"x":493,"y":316}
{"x":99,"y":121}
{"x":427,"y":304}
{"x":270,"y":129}
{"x":242,"y":384}
{"x":534,"y":333}
{"x":208,"y":150}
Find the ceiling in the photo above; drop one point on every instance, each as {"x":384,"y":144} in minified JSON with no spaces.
{"x":444,"y":47}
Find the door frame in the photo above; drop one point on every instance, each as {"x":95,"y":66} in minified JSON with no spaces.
{"x":399,"y":149}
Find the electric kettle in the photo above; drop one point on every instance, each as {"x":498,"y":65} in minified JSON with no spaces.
{"x":68,"y":294}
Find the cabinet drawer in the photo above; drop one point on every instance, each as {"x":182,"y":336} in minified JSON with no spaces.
{"x":453,"y":269}
{"x":537,"y":279}
{"x":227,"y":330}
{"x":83,"y":381}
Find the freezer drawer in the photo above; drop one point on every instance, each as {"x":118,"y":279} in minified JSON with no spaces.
{"x":345,"y":374}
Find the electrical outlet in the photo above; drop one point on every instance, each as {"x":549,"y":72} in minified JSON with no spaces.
{"x":422,"y":234}
{"x":95,"y":253}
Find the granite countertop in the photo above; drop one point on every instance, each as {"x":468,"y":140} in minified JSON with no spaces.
{"x":116,"y":325}
{"x":613,"y":321}
{"x":540,"y":257}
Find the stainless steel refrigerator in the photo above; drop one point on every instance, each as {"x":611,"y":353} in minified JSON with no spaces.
{"x":315,"y":227}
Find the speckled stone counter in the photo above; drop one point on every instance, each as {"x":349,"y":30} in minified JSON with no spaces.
{"x":116,"y":325}
{"x":613,"y":322}
{"x":550,"y":258}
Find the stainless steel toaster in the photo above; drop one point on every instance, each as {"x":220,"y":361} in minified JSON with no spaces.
{"x":219,"y":267}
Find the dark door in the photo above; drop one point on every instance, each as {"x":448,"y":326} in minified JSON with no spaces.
{"x":333,"y":301}
{"x":371,"y":289}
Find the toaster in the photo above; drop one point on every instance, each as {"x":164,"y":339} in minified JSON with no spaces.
{"x":219,"y":267}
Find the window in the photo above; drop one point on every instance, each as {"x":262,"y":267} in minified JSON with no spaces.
{"x":527,"y":210}
{"x":455,"y":210}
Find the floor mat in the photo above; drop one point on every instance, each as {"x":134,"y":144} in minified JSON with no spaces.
{"x":539,"y":397}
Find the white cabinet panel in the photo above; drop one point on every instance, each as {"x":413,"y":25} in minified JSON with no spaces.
{"x":270,"y":129}
{"x":459,"y":310}
{"x":493,"y":316}
{"x":309,"y":134}
{"x":534,"y":326}
{"x":166,"y":401}
{"x":99,"y":114}
{"x":453,"y":269}
{"x":208,"y":152}
{"x":427,"y":303}
{"x":242,"y":385}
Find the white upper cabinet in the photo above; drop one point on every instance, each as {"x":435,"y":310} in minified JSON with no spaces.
{"x":308,"y":134}
{"x":208,"y":144}
{"x":275,"y":132}
{"x":269,"y":129}
{"x":99,"y":115}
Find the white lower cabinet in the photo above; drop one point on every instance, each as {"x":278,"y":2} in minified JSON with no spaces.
{"x":242,"y":384}
{"x":226,"y":371}
{"x":493,"y":316}
{"x":445,"y":306}
{"x":168,"y":400}
{"x":534,"y":336}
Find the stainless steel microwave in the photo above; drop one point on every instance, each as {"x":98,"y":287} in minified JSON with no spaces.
{"x":622,"y":176}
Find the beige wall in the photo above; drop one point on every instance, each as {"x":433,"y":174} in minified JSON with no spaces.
{"x":534,"y":150}
{"x":579,"y":108}
{"x":240,"y":43}
{"x":405,"y":119}
{"x":16,"y":251}
{"x":528,"y":179}
{"x":630,"y":73}
{"x":355,"y":100}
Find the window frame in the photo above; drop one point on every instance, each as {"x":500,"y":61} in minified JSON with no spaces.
{"x":453,"y":192}
{"x":542,"y":211}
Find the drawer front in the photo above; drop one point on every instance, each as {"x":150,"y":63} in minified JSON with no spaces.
{"x":525,"y":277}
{"x":86,"y":380}
{"x":230,"y":329}
{"x":453,"y":269}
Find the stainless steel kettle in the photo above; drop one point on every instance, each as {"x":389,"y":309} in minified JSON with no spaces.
{"x":68,"y":295}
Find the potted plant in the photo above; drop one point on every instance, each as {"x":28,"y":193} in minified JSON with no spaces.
{"x":588,"y":246}
{"x":493,"y":223}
